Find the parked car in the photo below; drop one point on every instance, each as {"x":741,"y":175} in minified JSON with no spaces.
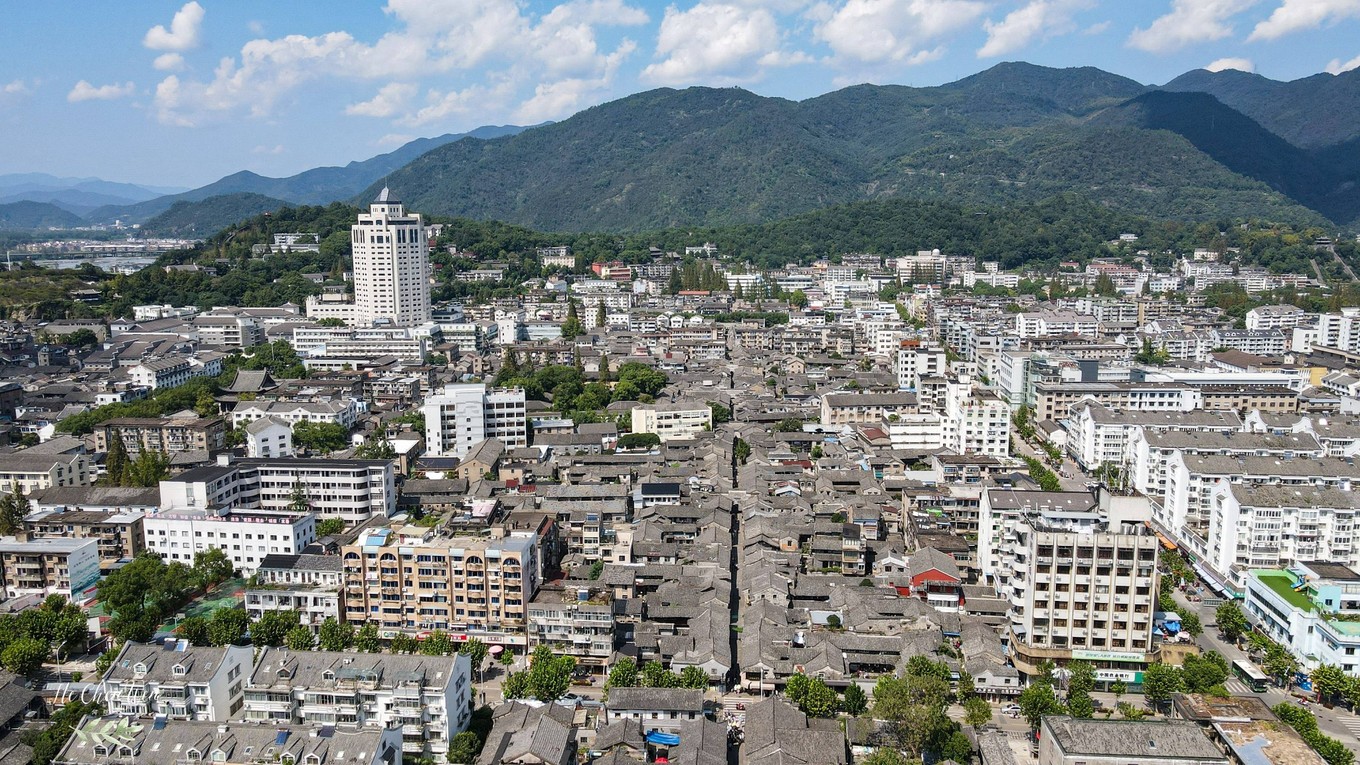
{"x":1011,"y":709}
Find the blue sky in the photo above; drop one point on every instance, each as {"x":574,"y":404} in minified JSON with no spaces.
{"x":180,"y":94}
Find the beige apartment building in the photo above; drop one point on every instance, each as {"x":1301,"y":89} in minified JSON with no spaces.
{"x":172,"y":435}
{"x":470,"y":586}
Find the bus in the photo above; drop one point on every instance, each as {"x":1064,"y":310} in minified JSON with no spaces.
{"x":1249,"y":674}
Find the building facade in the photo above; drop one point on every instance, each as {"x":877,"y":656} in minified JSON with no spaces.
{"x":391,"y":264}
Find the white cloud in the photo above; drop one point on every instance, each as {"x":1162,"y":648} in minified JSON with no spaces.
{"x":1240,"y":64}
{"x":556,"y":99}
{"x":717,"y":43}
{"x":1038,"y":20}
{"x":277,"y":149}
{"x":255,"y":26}
{"x":183,"y":33}
{"x":15,"y":88}
{"x":392,"y":98}
{"x":84,"y":91}
{"x":430,"y":38}
{"x":1189,"y":22}
{"x":1337,"y":66}
{"x":1300,"y":15}
{"x":882,"y":31}
{"x":1097,"y":28}
{"x":169,"y":62}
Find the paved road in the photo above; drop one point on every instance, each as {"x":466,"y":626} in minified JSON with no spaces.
{"x":1078,"y":480}
{"x":1338,"y":723}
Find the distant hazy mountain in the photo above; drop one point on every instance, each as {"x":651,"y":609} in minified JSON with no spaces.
{"x":1311,"y":112}
{"x":79,"y":195}
{"x":36,"y":215}
{"x":207,"y":216}
{"x":704,"y":156}
{"x":320,"y":185}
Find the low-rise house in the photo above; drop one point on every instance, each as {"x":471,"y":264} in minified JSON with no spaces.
{"x":1065,"y":740}
{"x":657,"y":708}
{"x":100,"y":741}
{"x":525,"y":735}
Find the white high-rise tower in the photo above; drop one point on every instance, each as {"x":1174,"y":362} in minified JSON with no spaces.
{"x":391,"y":264}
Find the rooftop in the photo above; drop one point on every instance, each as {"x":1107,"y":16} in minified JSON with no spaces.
{"x":1163,"y":739}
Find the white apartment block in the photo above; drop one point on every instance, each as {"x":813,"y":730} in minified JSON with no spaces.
{"x":1045,"y":323}
{"x":1097,"y":434}
{"x":1284,"y":317}
{"x":228,"y":330}
{"x":1082,"y":583}
{"x":464,"y":415}
{"x":861,"y":408}
{"x":1261,"y":342}
{"x":353,"y":490}
{"x":174,"y":371}
{"x":1314,"y":635}
{"x":975,"y":422}
{"x":307,"y":584}
{"x":672,"y":422}
{"x":925,"y":267}
{"x":246,"y":536}
{"x":177,"y":680}
{"x":915,"y":361}
{"x":426,"y":697}
{"x":411,"y":343}
{"x":391,"y":264}
{"x":1263,"y":526}
{"x":1333,"y":330}
{"x":34,"y":472}
{"x":187,"y":741}
{"x":344,"y":413}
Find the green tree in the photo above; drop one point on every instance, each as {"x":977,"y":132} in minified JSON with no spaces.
{"x":13,"y":508}
{"x":639,"y":441}
{"x":476,"y":650}
{"x":976,"y":712}
{"x":1037,"y":702}
{"x":116,"y":461}
{"x":1232,"y":623}
{"x":796,"y":688}
{"x":600,"y":316}
{"x":1080,"y":704}
{"x":516,"y":686}
{"x":205,"y":405}
{"x":300,"y":638}
{"x":228,"y":626}
{"x":855,"y":701}
{"x":741,"y":451}
{"x":329,"y":527}
{"x":571,"y":328}
{"x":272,"y":628}
{"x":464,"y":747}
{"x":1201,"y":673}
{"x":1329,"y":681}
{"x":367,"y":640}
{"x":403,"y":643}
{"x":1159,"y":682}
{"x":195,"y":629}
{"x":437,"y":643}
{"x":375,"y":447}
{"x":1190,"y":623}
{"x":693,"y":677}
{"x":334,"y":636}
{"x":212,"y":567}
{"x":1119,"y":688}
{"x":624,"y":674}
{"x":148,"y":469}
{"x":655,"y":675}
{"x":788,"y":425}
{"x":320,"y":437}
{"x":24,"y":656}
{"x":798,"y":299}
{"x":549,"y":674}
{"x":820,"y":700}
{"x":1082,"y":677}
{"x":48,"y":742}
{"x":957,"y":748}
{"x":721,"y":413}
{"x":886,"y":756}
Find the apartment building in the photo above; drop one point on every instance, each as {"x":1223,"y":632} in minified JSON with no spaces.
{"x":352,"y":490}
{"x":117,"y":535}
{"x":975,"y":422}
{"x":465,"y":415}
{"x":173,"y":371}
{"x":473,"y":586}
{"x":1054,"y":400}
{"x":410,"y":344}
{"x":1082,"y":584}
{"x":1312,"y":608}
{"x":1150,"y":452}
{"x":35,"y":472}
{"x":228,"y":330}
{"x":1045,"y":323}
{"x":103,"y":740}
{"x":177,"y":680}
{"x":307,"y":584}
{"x":573,"y":622}
{"x":171,"y":435}
{"x":344,"y":413}
{"x":1332,"y":330}
{"x":246,"y":536}
{"x":1097,"y":434}
{"x":1285,"y":317}
{"x":424,"y":697}
{"x":31,"y":566}
{"x":672,"y":422}
{"x":915,"y":361}
{"x":391,"y":264}
{"x":1255,"y":526}
{"x":857,"y":408}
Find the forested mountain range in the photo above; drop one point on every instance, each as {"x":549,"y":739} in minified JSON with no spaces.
{"x":704,"y":156}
